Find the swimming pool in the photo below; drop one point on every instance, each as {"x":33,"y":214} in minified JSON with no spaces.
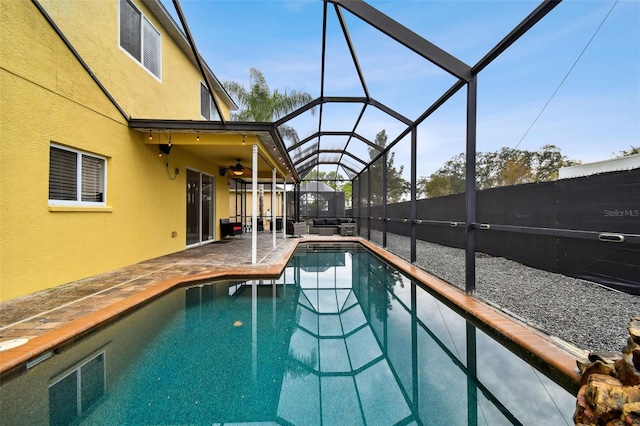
{"x":339,"y":338}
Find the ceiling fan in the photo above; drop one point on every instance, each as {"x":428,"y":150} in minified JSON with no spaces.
{"x":235,"y":171}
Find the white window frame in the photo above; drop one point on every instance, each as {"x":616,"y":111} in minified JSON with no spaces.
{"x":143,"y":20}
{"x":78,"y":201}
{"x":213,"y":114}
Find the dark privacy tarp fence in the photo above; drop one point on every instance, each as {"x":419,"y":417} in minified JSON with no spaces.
{"x":523,"y":219}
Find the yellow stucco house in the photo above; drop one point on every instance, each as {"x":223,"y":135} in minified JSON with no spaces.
{"x":90,"y":94}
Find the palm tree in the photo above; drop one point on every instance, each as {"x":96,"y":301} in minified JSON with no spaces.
{"x":260,"y":104}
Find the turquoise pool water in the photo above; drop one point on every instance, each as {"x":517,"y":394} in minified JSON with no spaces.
{"x":340,"y":338}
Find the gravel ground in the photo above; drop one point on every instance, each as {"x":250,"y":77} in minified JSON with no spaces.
{"x":582,"y":313}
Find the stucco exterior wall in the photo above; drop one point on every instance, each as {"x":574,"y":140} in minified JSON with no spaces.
{"x":92,"y":27}
{"x":48,"y":97}
{"x":249,"y":203}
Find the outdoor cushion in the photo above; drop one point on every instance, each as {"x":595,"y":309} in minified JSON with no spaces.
{"x":331,"y":221}
{"x":319,"y":221}
{"x":228,"y":228}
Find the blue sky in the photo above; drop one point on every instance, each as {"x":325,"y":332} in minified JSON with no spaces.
{"x":594,"y":114}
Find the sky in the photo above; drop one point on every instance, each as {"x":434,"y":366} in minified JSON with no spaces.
{"x":572,"y":81}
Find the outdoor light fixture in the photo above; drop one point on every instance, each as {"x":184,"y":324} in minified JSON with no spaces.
{"x":237,"y":170}
{"x":150,"y":136}
{"x":242,"y":144}
{"x":198,"y":137}
{"x":164,"y":149}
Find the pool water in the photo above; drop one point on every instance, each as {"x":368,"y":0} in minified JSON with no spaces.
{"x":341,"y":338}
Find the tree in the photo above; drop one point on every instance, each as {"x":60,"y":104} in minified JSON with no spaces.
{"x":259,"y":103}
{"x":515,"y":172}
{"x":335,"y":180}
{"x":449,"y":179}
{"x":347,"y":188}
{"x":435,"y":186}
{"x":396,"y":185}
{"x":634,"y":150}
{"x":547,"y":163}
{"x":329,"y":178}
{"x":505,"y":167}
{"x":508,"y":166}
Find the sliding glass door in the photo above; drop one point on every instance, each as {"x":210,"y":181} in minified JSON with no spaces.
{"x":200,"y":208}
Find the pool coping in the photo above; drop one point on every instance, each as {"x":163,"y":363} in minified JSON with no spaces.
{"x":15,"y":360}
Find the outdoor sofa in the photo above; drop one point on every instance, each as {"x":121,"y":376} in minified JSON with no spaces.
{"x":332,"y":223}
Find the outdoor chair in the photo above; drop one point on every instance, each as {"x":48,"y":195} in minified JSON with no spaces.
{"x":230,"y":229}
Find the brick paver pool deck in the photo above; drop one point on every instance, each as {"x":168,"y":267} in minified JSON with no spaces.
{"x":55,"y":317}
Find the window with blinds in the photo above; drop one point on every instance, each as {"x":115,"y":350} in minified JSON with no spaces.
{"x":63,"y":174}
{"x":130,"y":20}
{"x":207,"y":108}
{"x":92,"y":179}
{"x":151,"y":48}
{"x":139,"y":38}
{"x":76,"y":178}
{"x":205,"y":102}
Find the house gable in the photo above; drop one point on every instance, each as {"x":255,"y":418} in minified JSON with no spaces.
{"x":93,"y":28}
